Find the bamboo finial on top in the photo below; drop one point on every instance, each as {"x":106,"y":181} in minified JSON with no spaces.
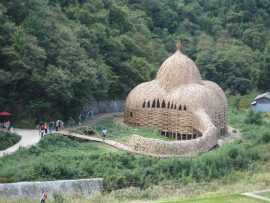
{"x":178,"y":44}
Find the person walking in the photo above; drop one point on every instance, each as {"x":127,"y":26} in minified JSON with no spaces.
{"x":40,"y":125}
{"x":8,"y":125}
{"x":50,"y":126}
{"x":57,"y":125}
{"x":104,"y":133}
{"x":46,"y":128}
{"x":62,"y":126}
{"x":42,"y":199}
{"x":42,"y":130}
{"x":92,"y":113}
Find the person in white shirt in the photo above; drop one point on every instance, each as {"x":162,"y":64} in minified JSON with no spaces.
{"x":42,"y":199}
{"x":104,"y":133}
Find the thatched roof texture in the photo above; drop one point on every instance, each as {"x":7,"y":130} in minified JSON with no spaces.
{"x":179,"y":104}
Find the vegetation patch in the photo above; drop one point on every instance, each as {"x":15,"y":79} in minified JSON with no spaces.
{"x":66,"y":158}
{"x":267,"y":195}
{"x":119,"y":131}
{"x":8,"y":139}
{"x":224,"y":199}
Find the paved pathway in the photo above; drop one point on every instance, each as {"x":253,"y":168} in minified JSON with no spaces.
{"x":30,"y":137}
{"x":257,"y":193}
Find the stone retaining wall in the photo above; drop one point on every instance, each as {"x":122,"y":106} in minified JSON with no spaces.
{"x":32,"y":190}
{"x":105,"y":106}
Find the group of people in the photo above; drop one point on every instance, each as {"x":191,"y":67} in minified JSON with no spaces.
{"x":88,"y":113}
{"x":59,"y":125}
{"x":45,"y":127}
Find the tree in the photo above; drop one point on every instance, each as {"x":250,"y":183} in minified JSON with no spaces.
{"x":261,"y":78}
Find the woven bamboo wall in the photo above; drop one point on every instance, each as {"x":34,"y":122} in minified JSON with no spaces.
{"x":174,"y":123}
{"x":179,"y":104}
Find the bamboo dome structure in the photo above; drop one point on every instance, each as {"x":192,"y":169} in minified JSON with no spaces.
{"x":180,"y":105}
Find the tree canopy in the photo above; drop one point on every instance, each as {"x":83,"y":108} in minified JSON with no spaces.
{"x":59,"y":54}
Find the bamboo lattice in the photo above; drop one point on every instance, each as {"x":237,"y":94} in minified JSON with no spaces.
{"x":179,"y":104}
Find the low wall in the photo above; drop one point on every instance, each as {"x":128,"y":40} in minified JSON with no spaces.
{"x":32,"y":190}
{"x":105,"y":106}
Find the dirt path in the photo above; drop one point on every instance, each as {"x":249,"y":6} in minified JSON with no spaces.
{"x":231,"y":135}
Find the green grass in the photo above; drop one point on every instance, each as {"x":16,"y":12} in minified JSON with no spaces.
{"x":223,"y":199}
{"x":120,"y":132}
{"x":8,"y":139}
{"x":266,"y":195}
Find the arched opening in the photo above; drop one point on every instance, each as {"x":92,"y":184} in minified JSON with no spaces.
{"x":163,"y":104}
{"x":172,"y":106}
{"x":180,"y":108}
{"x":185,"y":108}
{"x":168,"y":105}
{"x":131,"y":114}
{"x":154,"y":104}
{"x":158,"y":105}
{"x":143,"y":105}
{"x":148,"y":105}
{"x":175,"y":106}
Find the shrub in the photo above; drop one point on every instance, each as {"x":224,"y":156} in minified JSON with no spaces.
{"x":254,"y":117}
{"x":58,"y":197}
{"x":233,"y":153}
{"x":8,"y":139}
{"x":266,"y":136}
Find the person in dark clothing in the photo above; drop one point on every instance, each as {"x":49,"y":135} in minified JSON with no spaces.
{"x":50,"y":126}
{"x":42,"y":130}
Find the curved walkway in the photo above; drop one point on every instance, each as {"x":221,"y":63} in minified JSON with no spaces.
{"x":31,"y":137}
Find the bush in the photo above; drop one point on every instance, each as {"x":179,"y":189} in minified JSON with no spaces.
{"x":58,"y":197}
{"x":8,"y":139}
{"x":266,"y":136}
{"x":254,"y":117}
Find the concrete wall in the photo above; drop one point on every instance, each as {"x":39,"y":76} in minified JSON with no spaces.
{"x":32,"y":190}
{"x":105,"y":106}
{"x":261,"y":107}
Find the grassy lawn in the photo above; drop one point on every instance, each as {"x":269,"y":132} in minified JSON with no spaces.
{"x":217,"y":199}
{"x":224,"y":199}
{"x":119,"y":132}
{"x":267,"y":195}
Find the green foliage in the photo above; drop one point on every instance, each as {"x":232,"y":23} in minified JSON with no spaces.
{"x":261,"y":76}
{"x":58,"y":197}
{"x":67,"y":158}
{"x":266,"y":136}
{"x":120,"y":132}
{"x":254,"y":117}
{"x":8,"y":139}
{"x":65,"y":53}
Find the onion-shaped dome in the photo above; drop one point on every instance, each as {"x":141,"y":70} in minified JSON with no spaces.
{"x":180,"y":104}
{"x":178,"y":70}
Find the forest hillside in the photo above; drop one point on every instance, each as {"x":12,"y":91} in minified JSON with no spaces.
{"x":56,"y":55}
